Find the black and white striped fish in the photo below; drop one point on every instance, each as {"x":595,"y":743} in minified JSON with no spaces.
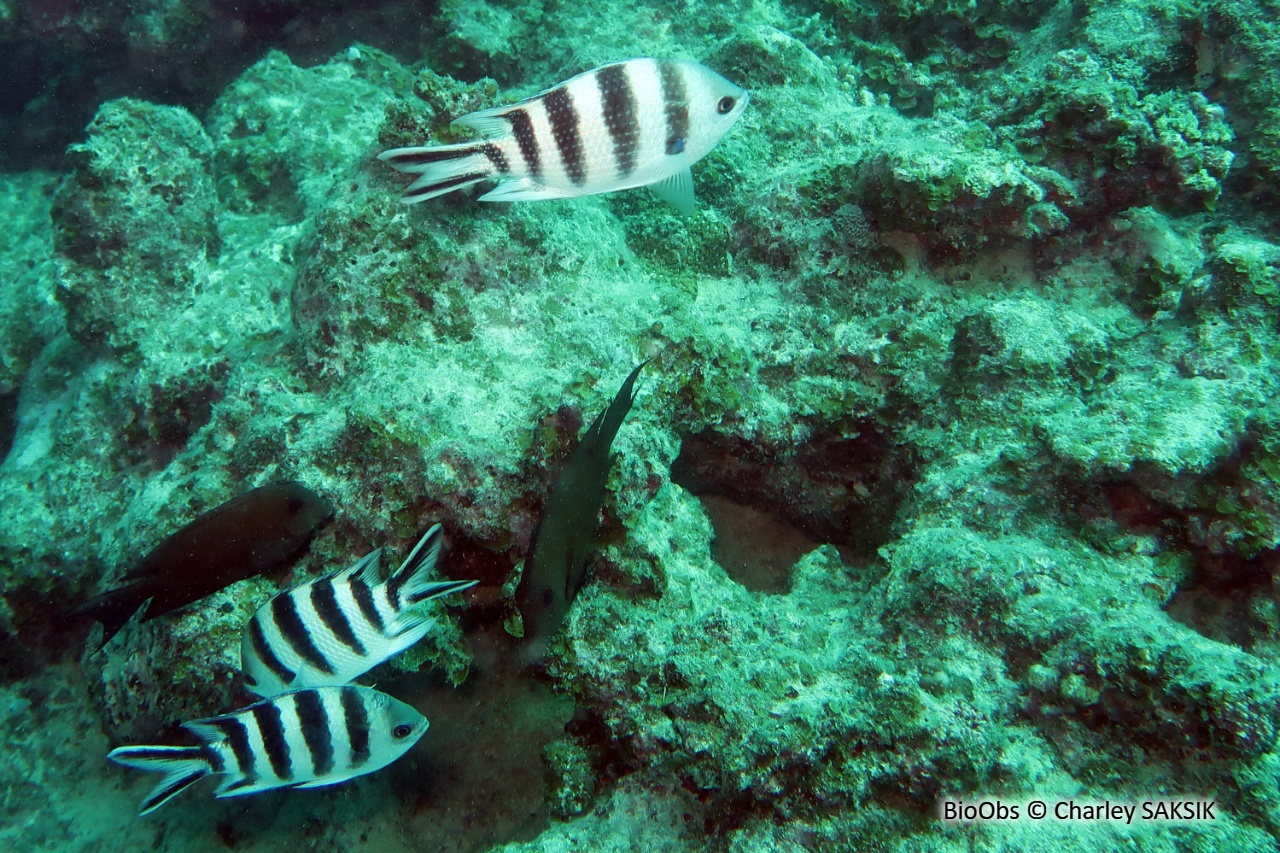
{"x":304,"y":739}
{"x":332,"y":629}
{"x":629,"y":124}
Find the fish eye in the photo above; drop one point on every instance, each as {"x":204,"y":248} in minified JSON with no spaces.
{"x":250,"y":681}
{"x":725,"y":106}
{"x":402,"y":731}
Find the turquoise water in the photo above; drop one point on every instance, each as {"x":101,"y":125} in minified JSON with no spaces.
{"x":950,"y":482}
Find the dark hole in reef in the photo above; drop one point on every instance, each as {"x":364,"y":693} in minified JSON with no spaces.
{"x":756,"y":548}
{"x":1227,"y":597}
{"x":8,"y":423}
{"x":771,"y":504}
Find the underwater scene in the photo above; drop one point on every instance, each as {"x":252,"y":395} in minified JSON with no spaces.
{"x":514,"y":426}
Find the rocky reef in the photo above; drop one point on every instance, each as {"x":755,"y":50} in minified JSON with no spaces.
{"x":953,"y":477}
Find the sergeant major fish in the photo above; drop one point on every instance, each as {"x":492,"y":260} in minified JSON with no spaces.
{"x":332,"y":629}
{"x":637,"y":123}
{"x":303,"y":739}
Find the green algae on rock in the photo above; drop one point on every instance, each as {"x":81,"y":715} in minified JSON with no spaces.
{"x":988,"y":289}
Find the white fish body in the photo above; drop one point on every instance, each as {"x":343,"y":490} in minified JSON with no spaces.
{"x":303,"y":739}
{"x":335,"y":628}
{"x":642,"y":122}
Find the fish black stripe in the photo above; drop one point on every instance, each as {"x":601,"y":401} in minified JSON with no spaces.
{"x":423,"y":156}
{"x":266,"y":654}
{"x":564,"y":129}
{"x":211,"y":755}
{"x":315,"y":729}
{"x":285,"y":614}
{"x":440,"y":186}
{"x":237,"y":735}
{"x":675,"y":102}
{"x":325,"y":601}
{"x":364,"y":599}
{"x":496,"y":157}
{"x":159,"y":753}
{"x":397,"y":581}
{"x":356,"y":721}
{"x":619,"y":105}
{"x":522,"y":129}
{"x":271,"y":727}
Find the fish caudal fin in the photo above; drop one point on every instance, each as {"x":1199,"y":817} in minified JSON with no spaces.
{"x":442,"y":168}
{"x":113,"y":609}
{"x":409,"y":585}
{"x":182,"y":766}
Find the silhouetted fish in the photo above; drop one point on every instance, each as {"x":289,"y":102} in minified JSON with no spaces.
{"x":562,"y":545}
{"x":258,"y":531}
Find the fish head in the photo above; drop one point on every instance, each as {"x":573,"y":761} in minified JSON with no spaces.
{"x":301,"y":509}
{"x":715,"y":105}
{"x":394,"y":726}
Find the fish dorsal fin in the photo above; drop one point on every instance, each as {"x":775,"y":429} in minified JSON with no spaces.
{"x":489,"y":123}
{"x":368,"y":568}
{"x":205,"y":730}
{"x":677,"y":191}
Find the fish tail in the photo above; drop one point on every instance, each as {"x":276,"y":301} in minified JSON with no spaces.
{"x":441,"y":168}
{"x":182,"y":766}
{"x":410,"y":586}
{"x":113,"y":609}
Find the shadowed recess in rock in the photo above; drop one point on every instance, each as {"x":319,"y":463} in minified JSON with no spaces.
{"x":756,"y":548}
{"x":830,"y":489}
{"x":261,"y":530}
{"x":8,"y":423}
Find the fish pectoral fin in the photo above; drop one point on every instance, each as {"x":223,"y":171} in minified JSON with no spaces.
{"x":677,"y":191}
{"x":412,"y":629}
{"x":522,"y":189}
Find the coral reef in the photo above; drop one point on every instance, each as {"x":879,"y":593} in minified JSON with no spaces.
{"x":953,"y":474}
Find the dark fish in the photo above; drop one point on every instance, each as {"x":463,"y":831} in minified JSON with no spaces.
{"x":246,"y":536}
{"x":562,"y":544}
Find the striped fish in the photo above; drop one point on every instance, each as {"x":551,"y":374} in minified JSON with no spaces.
{"x":637,"y":123}
{"x":332,"y":629}
{"x":304,"y":739}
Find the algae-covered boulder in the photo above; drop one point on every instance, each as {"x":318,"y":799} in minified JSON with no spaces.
{"x":136,"y":222}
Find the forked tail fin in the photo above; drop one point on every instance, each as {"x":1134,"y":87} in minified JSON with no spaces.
{"x":409,"y":585}
{"x":113,"y":608}
{"x":441,"y":168}
{"x":182,"y":766}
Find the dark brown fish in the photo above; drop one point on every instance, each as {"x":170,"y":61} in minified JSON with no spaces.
{"x":562,"y":544}
{"x":246,"y":536}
